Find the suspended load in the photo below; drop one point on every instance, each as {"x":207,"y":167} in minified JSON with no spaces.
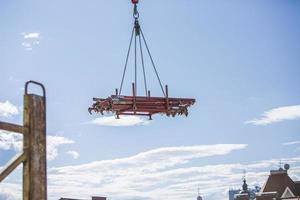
{"x":147,"y":105}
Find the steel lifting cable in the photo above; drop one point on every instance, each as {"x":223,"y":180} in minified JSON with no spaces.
{"x":137,"y":32}
{"x":149,"y":53}
{"x":126,"y":62}
{"x":143,"y":65}
{"x":135,"y":63}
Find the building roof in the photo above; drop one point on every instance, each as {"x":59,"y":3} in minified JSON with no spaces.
{"x":279,"y":181}
{"x":297,"y":183}
{"x":68,"y":199}
{"x":93,"y":198}
{"x":199,"y":198}
{"x":279,"y":184}
{"x":245,"y":193}
{"x":243,"y":197}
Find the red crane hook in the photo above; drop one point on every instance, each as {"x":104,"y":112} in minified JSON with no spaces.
{"x":135,"y":1}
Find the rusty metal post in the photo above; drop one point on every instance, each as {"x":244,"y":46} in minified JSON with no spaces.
{"x":167,"y":97}
{"x":34,"y":146}
{"x":134,"y":95}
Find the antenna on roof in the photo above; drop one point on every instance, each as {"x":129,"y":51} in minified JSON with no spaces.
{"x":280,"y":165}
{"x":245,"y":186}
{"x":199,"y":195}
{"x":244,"y":174}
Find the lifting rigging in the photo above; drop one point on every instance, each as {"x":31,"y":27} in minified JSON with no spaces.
{"x":141,"y":105}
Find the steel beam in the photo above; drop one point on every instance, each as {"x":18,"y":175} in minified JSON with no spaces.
{"x":34,"y":146}
{"x":142,"y":105}
{"x":11,"y":127}
{"x":11,"y":166}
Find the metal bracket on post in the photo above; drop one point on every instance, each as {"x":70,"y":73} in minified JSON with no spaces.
{"x":12,"y":165}
{"x":36,"y":83}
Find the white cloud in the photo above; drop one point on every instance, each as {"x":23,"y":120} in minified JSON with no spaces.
{"x":164,"y":173}
{"x":14,"y":141}
{"x":294,"y":143}
{"x":33,"y":35}
{"x":74,"y":154}
{"x":138,"y":180}
{"x":10,"y":140}
{"x":30,"y":40}
{"x":7,"y":109}
{"x":291,"y":143}
{"x":277,"y":115}
{"x":123,"y":121}
{"x":53,"y":142}
{"x":10,"y":191}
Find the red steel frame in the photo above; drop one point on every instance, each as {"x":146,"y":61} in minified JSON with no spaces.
{"x":142,"y":105}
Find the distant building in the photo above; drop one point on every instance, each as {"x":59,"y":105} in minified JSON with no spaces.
{"x":199,"y":197}
{"x":245,"y":193}
{"x":93,"y":198}
{"x":279,"y":186}
{"x":99,"y":198}
{"x":67,"y":199}
{"x":232,"y":193}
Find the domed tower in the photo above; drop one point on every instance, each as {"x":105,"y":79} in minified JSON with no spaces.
{"x":245,"y":186}
{"x":245,"y":192}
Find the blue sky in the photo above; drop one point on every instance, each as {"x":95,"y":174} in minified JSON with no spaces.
{"x":239,"y":59}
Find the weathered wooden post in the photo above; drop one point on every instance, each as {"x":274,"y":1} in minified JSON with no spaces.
{"x":34,"y":146}
{"x":34,"y":154}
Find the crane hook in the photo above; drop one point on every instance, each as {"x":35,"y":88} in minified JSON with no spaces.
{"x":135,"y":11}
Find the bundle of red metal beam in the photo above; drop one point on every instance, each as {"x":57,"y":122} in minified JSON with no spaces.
{"x":130,"y":105}
{"x":142,"y":105}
